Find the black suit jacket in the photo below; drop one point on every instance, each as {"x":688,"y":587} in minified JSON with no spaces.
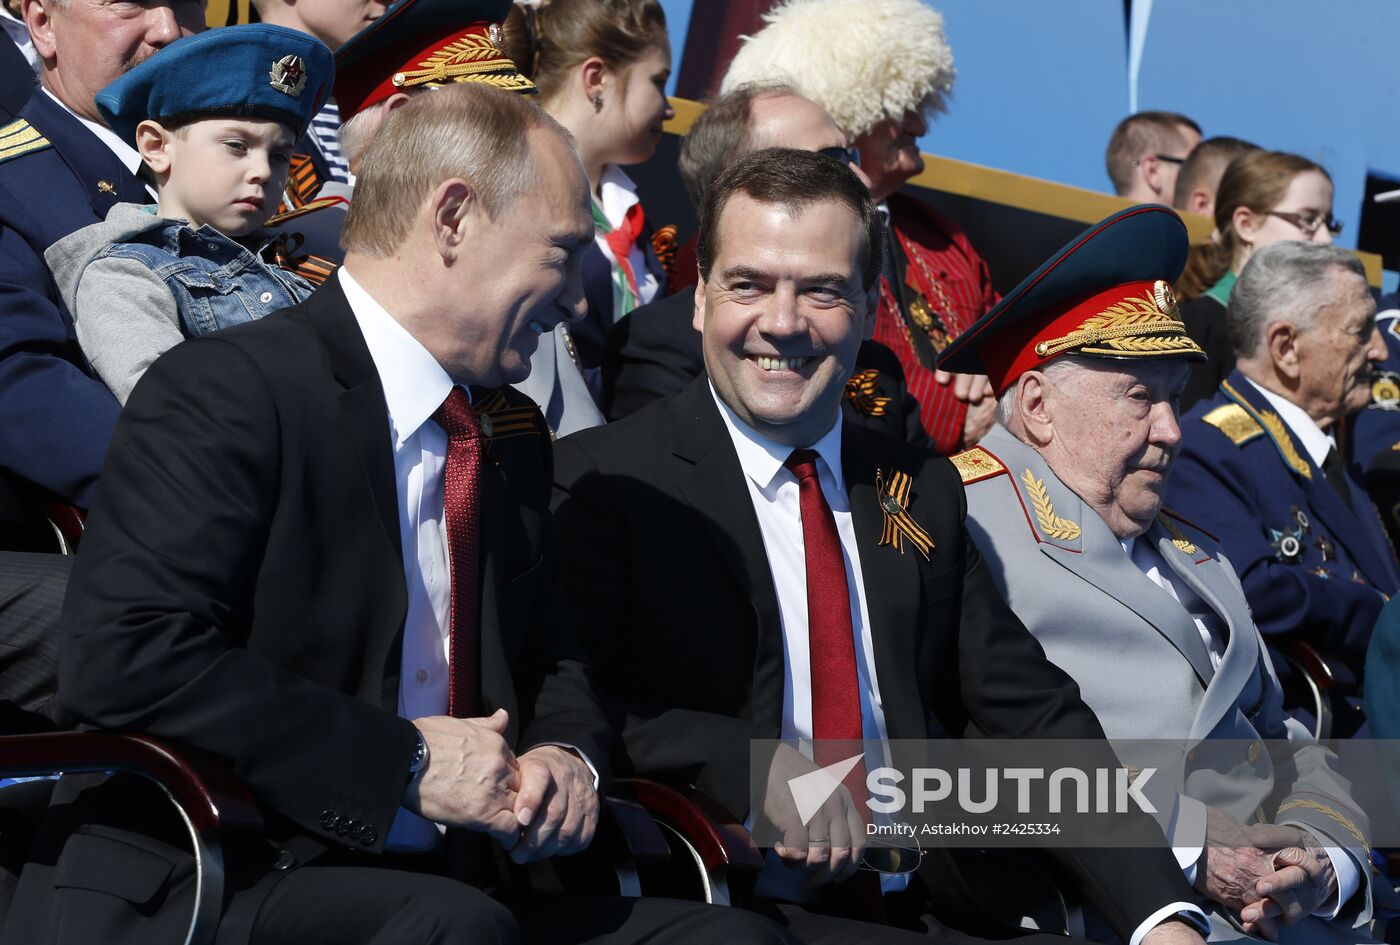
{"x":665,"y":567}
{"x":656,"y":351}
{"x":241,"y":589}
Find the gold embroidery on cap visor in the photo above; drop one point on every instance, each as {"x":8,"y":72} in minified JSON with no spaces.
{"x":472,"y":58}
{"x":1145,"y":326}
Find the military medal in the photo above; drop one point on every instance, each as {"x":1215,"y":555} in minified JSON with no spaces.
{"x":1329,"y":550}
{"x":1287,"y":545}
{"x":893,"y":495}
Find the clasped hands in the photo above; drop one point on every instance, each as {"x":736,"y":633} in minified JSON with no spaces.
{"x":826,"y":849}
{"x":1264,"y":872}
{"x":535,"y":805}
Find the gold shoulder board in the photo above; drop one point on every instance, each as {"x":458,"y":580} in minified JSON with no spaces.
{"x":976,"y":464}
{"x":20,"y":137}
{"x":1235,"y":422}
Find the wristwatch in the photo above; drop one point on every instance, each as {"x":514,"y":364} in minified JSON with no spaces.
{"x":420,"y":757}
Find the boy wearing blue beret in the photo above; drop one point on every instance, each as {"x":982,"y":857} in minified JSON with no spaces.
{"x":214,"y":117}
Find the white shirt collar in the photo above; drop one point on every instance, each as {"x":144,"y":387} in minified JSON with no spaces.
{"x":19,"y":34}
{"x":1315,"y":440}
{"x":617,"y":193}
{"x":761,"y":458}
{"x":125,"y":153}
{"x":415,"y":385}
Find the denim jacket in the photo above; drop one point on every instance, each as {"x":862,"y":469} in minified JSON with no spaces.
{"x":137,"y":284}
{"x":217,"y":282}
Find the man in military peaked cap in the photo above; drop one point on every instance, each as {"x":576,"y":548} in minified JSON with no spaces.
{"x":1089,"y":357}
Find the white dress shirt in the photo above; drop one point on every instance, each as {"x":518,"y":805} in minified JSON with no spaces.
{"x":1211,"y":627}
{"x":1316,"y":441}
{"x":415,"y":386}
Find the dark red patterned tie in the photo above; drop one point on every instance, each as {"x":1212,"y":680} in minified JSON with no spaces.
{"x":835,"y":682}
{"x":461,"y":499}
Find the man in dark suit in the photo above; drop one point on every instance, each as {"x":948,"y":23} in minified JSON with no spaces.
{"x":62,"y":169}
{"x":321,"y":553}
{"x":655,"y":351}
{"x":814,"y":578}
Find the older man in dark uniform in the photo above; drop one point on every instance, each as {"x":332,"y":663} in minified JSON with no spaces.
{"x":55,"y":417}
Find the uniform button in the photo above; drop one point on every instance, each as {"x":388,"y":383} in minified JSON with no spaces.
{"x":284,"y":861}
{"x":422,"y":676}
{"x":341,"y":825}
{"x":368,"y":836}
{"x":265,"y":297}
{"x":1255,"y":749}
{"x":352,"y":832}
{"x":328,"y":820}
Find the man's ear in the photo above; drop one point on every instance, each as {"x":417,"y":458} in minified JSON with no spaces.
{"x":697,"y":318}
{"x":35,"y":14}
{"x":153,"y":144}
{"x":1281,"y":341}
{"x":397,"y":100}
{"x":455,"y":211}
{"x":1199,"y":201}
{"x":1033,"y":407}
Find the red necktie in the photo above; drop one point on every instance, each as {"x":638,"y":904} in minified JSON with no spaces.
{"x":835,"y":682}
{"x":461,"y":499}
{"x":622,"y":239}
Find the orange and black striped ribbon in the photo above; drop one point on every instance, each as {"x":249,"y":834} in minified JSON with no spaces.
{"x":863,"y":390}
{"x":894,"y":505}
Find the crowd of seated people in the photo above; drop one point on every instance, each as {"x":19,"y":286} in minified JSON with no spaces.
{"x":425,"y":486}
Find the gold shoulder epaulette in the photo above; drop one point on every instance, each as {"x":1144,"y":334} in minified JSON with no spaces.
{"x":20,"y":137}
{"x":1235,"y":422}
{"x":318,"y":204}
{"x":976,"y":464}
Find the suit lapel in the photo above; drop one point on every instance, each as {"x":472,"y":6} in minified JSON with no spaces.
{"x":892,"y":585}
{"x":714,"y":487}
{"x":1362,"y":539}
{"x":101,"y":174}
{"x":1205,"y":577}
{"x":1096,"y":554}
{"x":362,"y":402}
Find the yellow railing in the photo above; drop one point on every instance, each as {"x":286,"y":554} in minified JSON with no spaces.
{"x":1017,"y":190}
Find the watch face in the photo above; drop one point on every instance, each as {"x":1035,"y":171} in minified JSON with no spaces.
{"x":420,"y":755}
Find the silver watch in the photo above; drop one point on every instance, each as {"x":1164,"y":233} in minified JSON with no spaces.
{"x":420,"y":757}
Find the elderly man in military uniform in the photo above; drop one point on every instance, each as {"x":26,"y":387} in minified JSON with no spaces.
{"x":1261,"y":465}
{"x":1088,"y":357}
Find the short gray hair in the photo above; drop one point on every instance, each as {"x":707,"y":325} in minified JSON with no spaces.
{"x":1287,"y":282}
{"x":468,"y":130}
{"x":1065,"y":364}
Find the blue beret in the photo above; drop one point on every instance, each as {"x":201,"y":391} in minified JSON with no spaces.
{"x":1106,"y":294}
{"x":254,"y":71}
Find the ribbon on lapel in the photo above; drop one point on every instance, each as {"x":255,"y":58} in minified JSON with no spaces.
{"x":894,"y":506}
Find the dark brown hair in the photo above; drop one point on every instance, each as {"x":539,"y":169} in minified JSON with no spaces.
{"x":554,"y":39}
{"x":794,"y":180}
{"x":1258,"y":180}
{"x":1138,"y":134}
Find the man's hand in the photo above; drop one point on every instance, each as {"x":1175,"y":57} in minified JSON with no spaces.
{"x":556,"y":805}
{"x":829,"y":846}
{"x":975,"y":391}
{"x":471,"y":779}
{"x":1231,"y":866}
{"x":1173,"y":932}
{"x":1304,"y":879}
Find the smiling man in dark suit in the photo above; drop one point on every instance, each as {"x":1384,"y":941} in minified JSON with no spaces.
{"x":736,"y":530}
{"x":321,"y":552}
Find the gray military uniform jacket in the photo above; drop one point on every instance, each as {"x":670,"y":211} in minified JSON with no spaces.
{"x":1140,"y":660}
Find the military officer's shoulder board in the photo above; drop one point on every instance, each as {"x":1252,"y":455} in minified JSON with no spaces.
{"x":18,"y":138}
{"x":1235,"y":422}
{"x":976,"y":464}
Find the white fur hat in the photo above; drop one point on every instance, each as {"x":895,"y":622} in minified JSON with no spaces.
{"x":861,"y":60}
